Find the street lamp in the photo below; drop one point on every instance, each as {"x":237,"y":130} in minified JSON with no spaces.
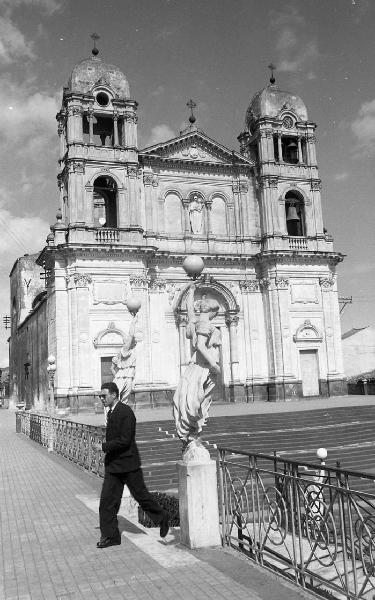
{"x":51,"y":370}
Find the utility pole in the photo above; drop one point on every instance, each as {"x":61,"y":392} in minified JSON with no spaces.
{"x":344,"y":301}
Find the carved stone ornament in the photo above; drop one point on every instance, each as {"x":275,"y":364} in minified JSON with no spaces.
{"x":311,"y":138}
{"x":60,"y":128}
{"x":316,"y":184}
{"x":307,"y":332}
{"x":273,"y":182}
{"x":249,"y":286}
{"x":139,"y":281}
{"x":326,"y":282}
{"x":76,"y":110}
{"x":282,"y":282}
{"x":81,"y":279}
{"x":231,"y":318}
{"x":150,"y":179}
{"x":244,"y":187}
{"x":287,"y":122}
{"x":156,"y":284}
{"x":77,"y":166}
{"x":133,"y":171}
{"x":235,"y":187}
{"x":264,"y":283}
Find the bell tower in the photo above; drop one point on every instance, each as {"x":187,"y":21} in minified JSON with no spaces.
{"x":97,"y":127}
{"x":281,"y":140}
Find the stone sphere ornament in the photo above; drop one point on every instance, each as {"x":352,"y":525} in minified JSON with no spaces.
{"x":133,"y":304}
{"x":193,"y":266}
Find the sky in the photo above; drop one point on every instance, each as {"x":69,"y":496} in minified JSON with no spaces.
{"x":216,"y":52}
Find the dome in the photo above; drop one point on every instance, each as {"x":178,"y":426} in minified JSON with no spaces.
{"x":271,"y":101}
{"x":89,"y":71}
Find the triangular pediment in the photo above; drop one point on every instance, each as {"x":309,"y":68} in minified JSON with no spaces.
{"x":195,"y":147}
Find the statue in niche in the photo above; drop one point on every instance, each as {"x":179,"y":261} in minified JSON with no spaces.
{"x":196,"y":214}
{"x":192,"y":397}
{"x":124,"y":363}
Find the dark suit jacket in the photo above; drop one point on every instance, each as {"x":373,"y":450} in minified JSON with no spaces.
{"x":121,"y":452}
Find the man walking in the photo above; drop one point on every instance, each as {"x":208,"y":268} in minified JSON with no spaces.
{"x":122,"y":466}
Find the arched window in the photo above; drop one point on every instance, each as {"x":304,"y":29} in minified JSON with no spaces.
{"x":295,"y":214}
{"x":173,"y":214}
{"x":289,"y":147}
{"x":105,"y":202}
{"x":218,"y":216}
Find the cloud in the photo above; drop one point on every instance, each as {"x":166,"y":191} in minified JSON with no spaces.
{"x":296,"y":51}
{"x":159,"y":133}
{"x":158,"y":91}
{"x":13,"y":45}
{"x":48,"y":6}
{"x":363,"y":127}
{"x":20,"y":234}
{"x":341,"y":176}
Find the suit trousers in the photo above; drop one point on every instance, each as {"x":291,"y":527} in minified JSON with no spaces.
{"x":111,"y":495}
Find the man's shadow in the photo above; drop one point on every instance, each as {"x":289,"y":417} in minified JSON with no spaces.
{"x":128,"y":527}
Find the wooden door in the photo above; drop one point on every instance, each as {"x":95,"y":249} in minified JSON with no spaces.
{"x":309,"y":372}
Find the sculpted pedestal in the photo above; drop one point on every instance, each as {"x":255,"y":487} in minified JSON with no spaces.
{"x":198,"y":500}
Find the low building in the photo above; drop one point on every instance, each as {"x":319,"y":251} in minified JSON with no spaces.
{"x":358,"y":347}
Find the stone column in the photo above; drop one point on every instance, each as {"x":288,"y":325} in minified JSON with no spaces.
{"x":115,"y":129}
{"x":133,"y":197}
{"x":310,"y":149}
{"x":61,"y":134}
{"x":209,"y":217}
{"x":326,"y":285}
{"x":314,"y":225}
{"x":147,"y":182}
{"x":231,"y":320}
{"x":139,"y":285}
{"x":156,"y":287}
{"x":82,"y":281}
{"x":182,"y":321}
{"x":185,"y":203}
{"x":90,"y":116}
{"x":300,"y":157}
{"x":280,"y":148}
{"x":77,"y":190}
{"x":237,"y":210}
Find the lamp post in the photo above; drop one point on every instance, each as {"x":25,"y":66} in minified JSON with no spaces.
{"x":51,"y":369}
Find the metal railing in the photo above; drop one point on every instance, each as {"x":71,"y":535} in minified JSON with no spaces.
{"x":74,"y":441}
{"x":311,"y":523}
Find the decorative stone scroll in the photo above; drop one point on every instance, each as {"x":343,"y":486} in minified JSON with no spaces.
{"x":326,"y":282}
{"x":282,"y":283}
{"x":139,"y":281}
{"x":156,"y":284}
{"x":316,"y":184}
{"x":249,"y":286}
{"x":307,"y":332}
{"x":80,"y":280}
{"x":151,"y":179}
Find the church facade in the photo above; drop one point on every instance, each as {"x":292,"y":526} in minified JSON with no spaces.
{"x":129,"y":217}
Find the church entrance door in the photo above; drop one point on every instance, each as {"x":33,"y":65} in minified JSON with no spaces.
{"x":309,"y":372}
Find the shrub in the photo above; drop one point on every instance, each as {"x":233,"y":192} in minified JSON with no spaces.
{"x":168,"y":503}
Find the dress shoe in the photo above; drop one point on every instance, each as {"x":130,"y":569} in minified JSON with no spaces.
{"x":164,"y":526}
{"x":116,"y":541}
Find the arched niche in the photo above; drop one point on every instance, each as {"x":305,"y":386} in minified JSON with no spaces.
{"x":105,"y":201}
{"x":295,"y":213}
{"x":219,"y":217}
{"x":226,"y":320}
{"x":173,"y":213}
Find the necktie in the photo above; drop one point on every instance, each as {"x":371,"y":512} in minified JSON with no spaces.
{"x":109,"y":414}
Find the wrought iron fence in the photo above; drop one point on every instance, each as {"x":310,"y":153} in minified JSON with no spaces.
{"x":312,"y":523}
{"x":74,"y":441}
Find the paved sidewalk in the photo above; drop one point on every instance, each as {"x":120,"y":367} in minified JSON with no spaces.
{"x":49,"y":531}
